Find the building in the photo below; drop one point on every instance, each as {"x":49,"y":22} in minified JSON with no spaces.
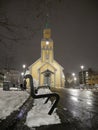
{"x":88,"y":77}
{"x":1,"y":79}
{"x":46,"y":70}
{"x":12,"y":76}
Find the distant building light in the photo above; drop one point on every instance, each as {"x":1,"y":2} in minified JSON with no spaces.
{"x":86,"y":74}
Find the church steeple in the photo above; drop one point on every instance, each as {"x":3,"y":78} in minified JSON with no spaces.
{"x":47,"y":30}
{"x":47,"y":45}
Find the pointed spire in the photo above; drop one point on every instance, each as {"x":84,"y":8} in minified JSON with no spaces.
{"x":47,"y":30}
{"x":47,"y":22}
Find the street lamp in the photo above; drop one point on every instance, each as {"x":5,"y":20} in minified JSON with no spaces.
{"x":82,"y":67}
{"x":73,"y":74}
{"x":24,"y":68}
{"x":22,"y":73}
{"x":74,"y":78}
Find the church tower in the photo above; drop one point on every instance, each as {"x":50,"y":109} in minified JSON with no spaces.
{"x":47,"y":46}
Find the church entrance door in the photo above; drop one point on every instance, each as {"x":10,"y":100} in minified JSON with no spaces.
{"x":47,"y":78}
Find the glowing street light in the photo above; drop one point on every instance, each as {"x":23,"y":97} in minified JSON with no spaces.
{"x":24,"y":66}
{"x":82,"y":67}
{"x":73,"y":74}
{"x":75,"y":78}
{"x":22,"y":74}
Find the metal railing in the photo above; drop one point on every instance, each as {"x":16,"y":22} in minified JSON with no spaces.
{"x":48,"y":96}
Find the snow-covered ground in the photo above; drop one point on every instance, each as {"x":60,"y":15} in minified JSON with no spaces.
{"x":11,"y":101}
{"x":38,"y":115}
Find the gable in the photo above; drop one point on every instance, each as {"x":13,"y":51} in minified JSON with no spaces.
{"x":48,"y":66}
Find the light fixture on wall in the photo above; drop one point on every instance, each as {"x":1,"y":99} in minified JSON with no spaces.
{"x":47,"y":42}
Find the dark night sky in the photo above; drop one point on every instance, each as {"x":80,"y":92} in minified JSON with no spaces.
{"x":74,"y":25}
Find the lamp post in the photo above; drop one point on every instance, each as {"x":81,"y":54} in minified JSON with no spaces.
{"x":21,"y":78}
{"x":82,"y":67}
{"x":74,"y":78}
{"x":73,"y":74}
{"x":75,"y":81}
{"x":23,"y":85}
{"x":24,"y":68}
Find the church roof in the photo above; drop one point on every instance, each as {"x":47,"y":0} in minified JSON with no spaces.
{"x":45,"y":64}
{"x":34,"y":62}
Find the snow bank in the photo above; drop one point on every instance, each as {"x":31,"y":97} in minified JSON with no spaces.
{"x":38,"y":115}
{"x":11,"y":101}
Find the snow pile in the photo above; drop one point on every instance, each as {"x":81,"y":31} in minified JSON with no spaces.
{"x":11,"y":101}
{"x":35,"y":83}
{"x":44,"y":91}
{"x":39,"y":113}
{"x":14,"y":89}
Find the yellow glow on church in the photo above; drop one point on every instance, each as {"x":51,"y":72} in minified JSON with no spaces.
{"x":46,"y":70}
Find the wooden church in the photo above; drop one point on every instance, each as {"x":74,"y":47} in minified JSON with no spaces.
{"x":46,"y":70}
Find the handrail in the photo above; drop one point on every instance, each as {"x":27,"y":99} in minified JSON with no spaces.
{"x":32,"y":93}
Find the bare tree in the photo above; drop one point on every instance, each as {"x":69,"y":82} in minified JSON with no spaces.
{"x":30,"y":19}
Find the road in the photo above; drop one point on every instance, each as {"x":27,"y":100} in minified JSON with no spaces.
{"x":79,"y":107}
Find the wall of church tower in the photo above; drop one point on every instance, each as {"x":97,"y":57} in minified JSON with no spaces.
{"x":47,"y":33}
{"x":47,"y":51}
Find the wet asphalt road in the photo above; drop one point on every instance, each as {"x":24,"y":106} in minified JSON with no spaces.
{"x":80,"y":107}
